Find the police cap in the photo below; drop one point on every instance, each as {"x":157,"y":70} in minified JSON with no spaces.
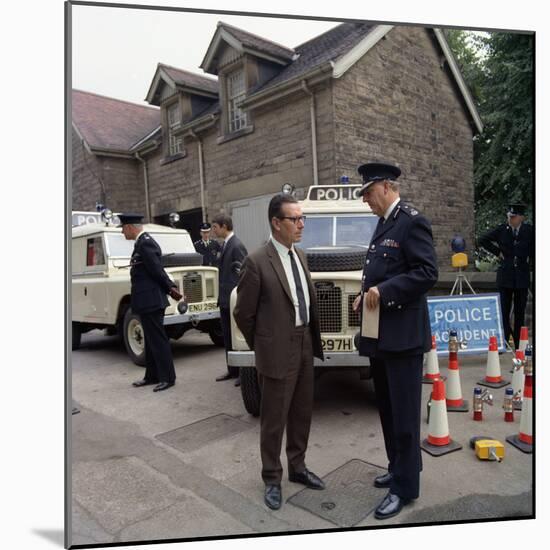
{"x":377,"y":171}
{"x":516,"y":209}
{"x":205,"y":226}
{"x":130,"y":219}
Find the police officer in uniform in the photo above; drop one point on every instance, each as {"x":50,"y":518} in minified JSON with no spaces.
{"x":150,"y":285}
{"x":210,"y":249}
{"x":400,"y":268}
{"x":513,"y":242}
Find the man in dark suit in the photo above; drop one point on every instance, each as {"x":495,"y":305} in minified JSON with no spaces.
{"x":209,"y":248}
{"x":277,"y":313}
{"x":150,"y":285}
{"x":514,"y":244}
{"x":400,"y":268}
{"x":232,"y":255}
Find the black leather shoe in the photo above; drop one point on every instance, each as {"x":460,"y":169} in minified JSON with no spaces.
{"x":307,"y":478}
{"x":223,"y":377}
{"x":383,"y":481}
{"x":163,"y":386}
{"x":390,"y":506}
{"x":143,"y":382}
{"x":273,"y":496}
{"x":238,"y":381}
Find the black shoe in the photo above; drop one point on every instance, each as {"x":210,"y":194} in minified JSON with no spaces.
{"x":273,"y":496}
{"x":163,"y":386}
{"x":390,"y":506}
{"x":307,"y":478}
{"x":143,"y":382}
{"x":238,"y":381}
{"x":223,"y":377}
{"x":383,"y":481}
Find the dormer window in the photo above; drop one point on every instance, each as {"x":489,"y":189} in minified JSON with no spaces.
{"x":173,"y":119}
{"x":236,"y":92}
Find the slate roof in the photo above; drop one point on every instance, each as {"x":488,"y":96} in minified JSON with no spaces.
{"x":190,"y":80}
{"x":109,"y":123}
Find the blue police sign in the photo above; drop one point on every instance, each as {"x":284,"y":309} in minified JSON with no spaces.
{"x":475,"y":317}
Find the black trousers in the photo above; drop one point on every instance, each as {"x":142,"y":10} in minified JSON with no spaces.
{"x":517,"y":296}
{"x":158,"y":353}
{"x":225,"y":318}
{"x":398,"y":386}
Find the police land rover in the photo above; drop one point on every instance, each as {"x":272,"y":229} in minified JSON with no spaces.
{"x":335,"y":240}
{"x":101,"y":283}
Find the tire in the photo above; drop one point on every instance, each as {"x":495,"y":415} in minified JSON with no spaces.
{"x":336,"y":258}
{"x":216,"y":334}
{"x":182,"y":260}
{"x":134,"y":340}
{"x":76,"y":333}
{"x":250,"y":390}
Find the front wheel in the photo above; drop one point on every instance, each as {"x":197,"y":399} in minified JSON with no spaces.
{"x":134,"y":339}
{"x":77,"y":333}
{"x":216,"y":334}
{"x":250,"y":390}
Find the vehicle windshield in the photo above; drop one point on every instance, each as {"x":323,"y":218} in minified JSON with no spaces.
{"x":338,"y":230}
{"x":179,"y":243}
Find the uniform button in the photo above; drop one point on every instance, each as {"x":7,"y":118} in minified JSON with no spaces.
{"x":372,"y":247}
{"x":385,"y":254}
{"x":398,"y":307}
{"x":368,"y":261}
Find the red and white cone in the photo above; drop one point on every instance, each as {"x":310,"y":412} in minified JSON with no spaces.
{"x":439,"y":441}
{"x":523,"y":338}
{"x":432,"y":365}
{"x":524,"y":440}
{"x":493,"y":377}
{"x":455,"y":402}
{"x":518,"y":381}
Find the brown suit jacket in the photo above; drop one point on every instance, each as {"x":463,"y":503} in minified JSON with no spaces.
{"x":265,"y":312}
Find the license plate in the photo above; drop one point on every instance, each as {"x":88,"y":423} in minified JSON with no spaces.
{"x":195,"y":308}
{"x":345,"y":343}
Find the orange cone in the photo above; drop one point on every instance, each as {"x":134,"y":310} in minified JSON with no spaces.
{"x":518,"y":379}
{"x":455,"y":402}
{"x":432,"y":365}
{"x":439,"y":441}
{"x":523,"y":338}
{"x":493,"y":377}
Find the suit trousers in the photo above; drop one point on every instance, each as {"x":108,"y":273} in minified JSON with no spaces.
{"x":225,"y":318}
{"x":398,"y":386}
{"x":158,"y":353}
{"x":287,"y":402}
{"x":519,"y":298}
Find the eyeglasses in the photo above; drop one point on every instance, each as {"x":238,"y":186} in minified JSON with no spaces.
{"x":294,"y":219}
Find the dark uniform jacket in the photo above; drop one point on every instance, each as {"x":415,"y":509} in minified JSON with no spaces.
{"x":231,"y":259}
{"x":401,"y":262}
{"x":513,"y":271}
{"x":150,"y":283}
{"x":210,"y":251}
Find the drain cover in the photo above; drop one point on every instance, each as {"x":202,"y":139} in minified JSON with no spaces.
{"x":196,"y":435}
{"x":349,"y":496}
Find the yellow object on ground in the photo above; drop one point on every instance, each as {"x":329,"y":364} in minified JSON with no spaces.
{"x":489,"y":449}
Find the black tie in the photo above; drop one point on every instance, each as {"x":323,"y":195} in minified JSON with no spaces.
{"x":222,"y":248}
{"x":299,"y":289}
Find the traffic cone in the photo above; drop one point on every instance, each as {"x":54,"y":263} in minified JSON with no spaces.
{"x":432,"y":365}
{"x":493,"y":378}
{"x":523,"y":338}
{"x":524,"y":439}
{"x":455,"y":402}
{"x":518,"y":380}
{"x":439,"y":441}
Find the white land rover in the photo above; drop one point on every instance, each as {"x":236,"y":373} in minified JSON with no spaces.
{"x":335,"y":239}
{"x":101,"y":285}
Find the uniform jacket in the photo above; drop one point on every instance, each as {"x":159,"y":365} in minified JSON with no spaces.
{"x":210,"y":252}
{"x":401,"y":262}
{"x":231,"y":259}
{"x":265,"y":312}
{"x":150,"y":283}
{"x":518,"y":252}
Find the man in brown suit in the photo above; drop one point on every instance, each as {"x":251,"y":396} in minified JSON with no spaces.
{"x":277,"y":313}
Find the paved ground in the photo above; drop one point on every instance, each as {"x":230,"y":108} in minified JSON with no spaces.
{"x":135,"y":478}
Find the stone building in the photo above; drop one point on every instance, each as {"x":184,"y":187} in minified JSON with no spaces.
{"x":264,"y":114}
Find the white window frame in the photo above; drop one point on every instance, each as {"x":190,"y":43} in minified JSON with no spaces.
{"x":236,"y":92}
{"x":173,"y":121}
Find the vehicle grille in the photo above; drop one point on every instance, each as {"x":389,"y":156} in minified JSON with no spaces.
{"x":329,"y":301}
{"x":192,"y":287}
{"x":353,"y":316}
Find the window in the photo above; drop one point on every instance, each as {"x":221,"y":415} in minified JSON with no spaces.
{"x":174,"y":143}
{"x":94,"y":252}
{"x":236,"y":92}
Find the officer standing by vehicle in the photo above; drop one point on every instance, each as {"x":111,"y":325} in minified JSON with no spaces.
{"x":400,"y":268}
{"x":209,"y":248}
{"x":150,"y":285}
{"x":514,"y":244}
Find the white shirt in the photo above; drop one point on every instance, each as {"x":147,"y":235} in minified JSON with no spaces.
{"x":229,"y":235}
{"x":287,"y":266}
{"x":390,"y":209}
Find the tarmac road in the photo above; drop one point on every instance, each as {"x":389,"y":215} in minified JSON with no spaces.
{"x":185,"y":463}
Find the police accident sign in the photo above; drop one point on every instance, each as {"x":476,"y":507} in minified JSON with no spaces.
{"x":475,"y":317}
